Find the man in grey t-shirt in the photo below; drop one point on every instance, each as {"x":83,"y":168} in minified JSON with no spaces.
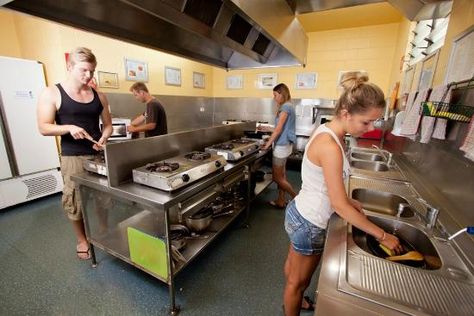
{"x":153,"y":120}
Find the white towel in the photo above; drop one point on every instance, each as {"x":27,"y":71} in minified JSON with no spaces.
{"x":427,"y":127}
{"x":413,"y":116}
{"x":440,"y":94}
{"x":440,"y":129}
{"x":468,"y":143}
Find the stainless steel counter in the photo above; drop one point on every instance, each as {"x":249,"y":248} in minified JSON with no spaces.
{"x":357,"y":283}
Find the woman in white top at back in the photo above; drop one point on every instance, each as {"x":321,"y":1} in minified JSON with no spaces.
{"x":324,"y":168}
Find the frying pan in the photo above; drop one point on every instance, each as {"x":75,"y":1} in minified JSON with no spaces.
{"x":374,"y":247}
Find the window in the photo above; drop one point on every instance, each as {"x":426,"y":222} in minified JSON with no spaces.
{"x":426,"y":37}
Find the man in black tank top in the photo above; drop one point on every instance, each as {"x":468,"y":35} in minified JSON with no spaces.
{"x":71,"y":109}
{"x":153,"y":120}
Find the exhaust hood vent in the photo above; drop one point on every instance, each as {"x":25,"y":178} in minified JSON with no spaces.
{"x":204,"y":11}
{"x":261,"y":44}
{"x":239,"y":29}
{"x":225,"y":33}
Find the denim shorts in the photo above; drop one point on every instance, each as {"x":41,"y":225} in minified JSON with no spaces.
{"x":305,"y":237}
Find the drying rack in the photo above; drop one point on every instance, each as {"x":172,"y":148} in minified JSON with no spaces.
{"x":451,"y":111}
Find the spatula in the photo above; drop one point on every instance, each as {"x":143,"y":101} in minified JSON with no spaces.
{"x":410,"y":255}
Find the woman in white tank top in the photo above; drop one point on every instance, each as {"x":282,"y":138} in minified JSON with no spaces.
{"x":324,"y":168}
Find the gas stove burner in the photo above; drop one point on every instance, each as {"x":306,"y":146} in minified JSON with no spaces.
{"x":241,"y":141}
{"x":197,"y":155}
{"x":225,"y":146}
{"x":162,"y":166}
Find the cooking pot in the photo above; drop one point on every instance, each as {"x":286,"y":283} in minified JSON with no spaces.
{"x":200,"y":220}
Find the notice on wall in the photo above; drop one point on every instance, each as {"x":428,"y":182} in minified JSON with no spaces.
{"x":460,"y":66}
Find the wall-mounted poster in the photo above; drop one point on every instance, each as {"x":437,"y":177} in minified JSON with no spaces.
{"x":266,"y":81}
{"x":306,"y":80}
{"x":235,"y":82}
{"x":428,"y":68}
{"x":172,"y":76}
{"x":198,"y":80}
{"x":108,"y":79}
{"x":136,"y":70}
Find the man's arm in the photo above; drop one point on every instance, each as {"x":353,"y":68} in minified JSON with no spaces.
{"x":106,"y":119}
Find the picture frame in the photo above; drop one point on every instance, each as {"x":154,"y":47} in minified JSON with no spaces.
{"x":108,"y":79}
{"x":306,"y":80}
{"x":199,"y":80}
{"x":234,"y":82}
{"x":172,"y":76}
{"x":460,"y":66}
{"x":266,"y":81}
{"x":428,"y":69}
{"x":136,"y":70}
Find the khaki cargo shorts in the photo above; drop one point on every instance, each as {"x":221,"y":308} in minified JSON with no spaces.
{"x":71,"y":200}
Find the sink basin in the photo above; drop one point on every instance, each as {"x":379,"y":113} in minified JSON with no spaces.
{"x":381,"y":202}
{"x":367,"y":156}
{"x":409,"y":235}
{"x":369,"y":165}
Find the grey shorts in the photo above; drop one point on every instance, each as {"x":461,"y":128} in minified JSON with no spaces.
{"x":306,"y":238}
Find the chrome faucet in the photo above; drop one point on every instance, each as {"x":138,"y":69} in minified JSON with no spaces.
{"x":431,"y":216}
{"x":381,"y":152}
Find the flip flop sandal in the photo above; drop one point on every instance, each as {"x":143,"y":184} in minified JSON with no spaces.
{"x":310,"y":303}
{"x":78,"y":252}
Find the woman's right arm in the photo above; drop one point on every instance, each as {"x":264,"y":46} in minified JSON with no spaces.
{"x":329,"y":157}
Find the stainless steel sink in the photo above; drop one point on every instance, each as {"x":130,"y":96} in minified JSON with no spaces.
{"x":367,"y":156}
{"x":381,"y":202}
{"x":369,"y":165}
{"x":410,"y":235}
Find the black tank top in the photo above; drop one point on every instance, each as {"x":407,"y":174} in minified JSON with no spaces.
{"x":85,"y":115}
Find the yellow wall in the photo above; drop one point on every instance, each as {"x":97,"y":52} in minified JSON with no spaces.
{"x":370,"y":48}
{"x":45,"y":41}
{"x":376,"y":49}
{"x":8,"y":37}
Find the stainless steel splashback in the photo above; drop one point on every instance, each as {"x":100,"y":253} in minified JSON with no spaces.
{"x":122,"y":157}
{"x":182,"y":112}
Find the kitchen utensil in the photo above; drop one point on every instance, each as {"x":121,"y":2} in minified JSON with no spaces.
{"x":95,"y":142}
{"x":374,"y":247}
{"x":200,"y":220}
{"x":410,"y":255}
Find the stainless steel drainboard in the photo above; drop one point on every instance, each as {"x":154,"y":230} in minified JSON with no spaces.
{"x":427,"y":292}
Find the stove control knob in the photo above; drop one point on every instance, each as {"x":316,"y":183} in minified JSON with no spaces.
{"x":185,"y":177}
{"x":218,"y":164}
{"x":241,"y":153}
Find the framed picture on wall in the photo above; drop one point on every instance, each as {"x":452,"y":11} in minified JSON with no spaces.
{"x":428,"y":68}
{"x":306,"y":80}
{"x":136,"y":70}
{"x":234,"y":82}
{"x":266,"y":81}
{"x":108,"y":79}
{"x":172,"y":76}
{"x":198,"y":80}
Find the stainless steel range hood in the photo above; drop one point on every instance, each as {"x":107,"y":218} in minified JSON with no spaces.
{"x":215,"y":32}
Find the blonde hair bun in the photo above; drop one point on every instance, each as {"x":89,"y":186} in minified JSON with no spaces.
{"x":353,"y":79}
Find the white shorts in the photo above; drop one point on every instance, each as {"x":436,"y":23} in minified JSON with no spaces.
{"x":282,"y":151}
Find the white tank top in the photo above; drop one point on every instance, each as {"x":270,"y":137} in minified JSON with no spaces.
{"x":313,"y":201}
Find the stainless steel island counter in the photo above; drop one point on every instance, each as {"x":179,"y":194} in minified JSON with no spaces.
{"x":147,"y":227}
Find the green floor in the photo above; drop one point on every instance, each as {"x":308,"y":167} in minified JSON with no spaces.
{"x":241,"y":273}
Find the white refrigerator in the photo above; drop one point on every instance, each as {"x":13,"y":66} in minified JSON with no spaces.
{"x":29,"y":161}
